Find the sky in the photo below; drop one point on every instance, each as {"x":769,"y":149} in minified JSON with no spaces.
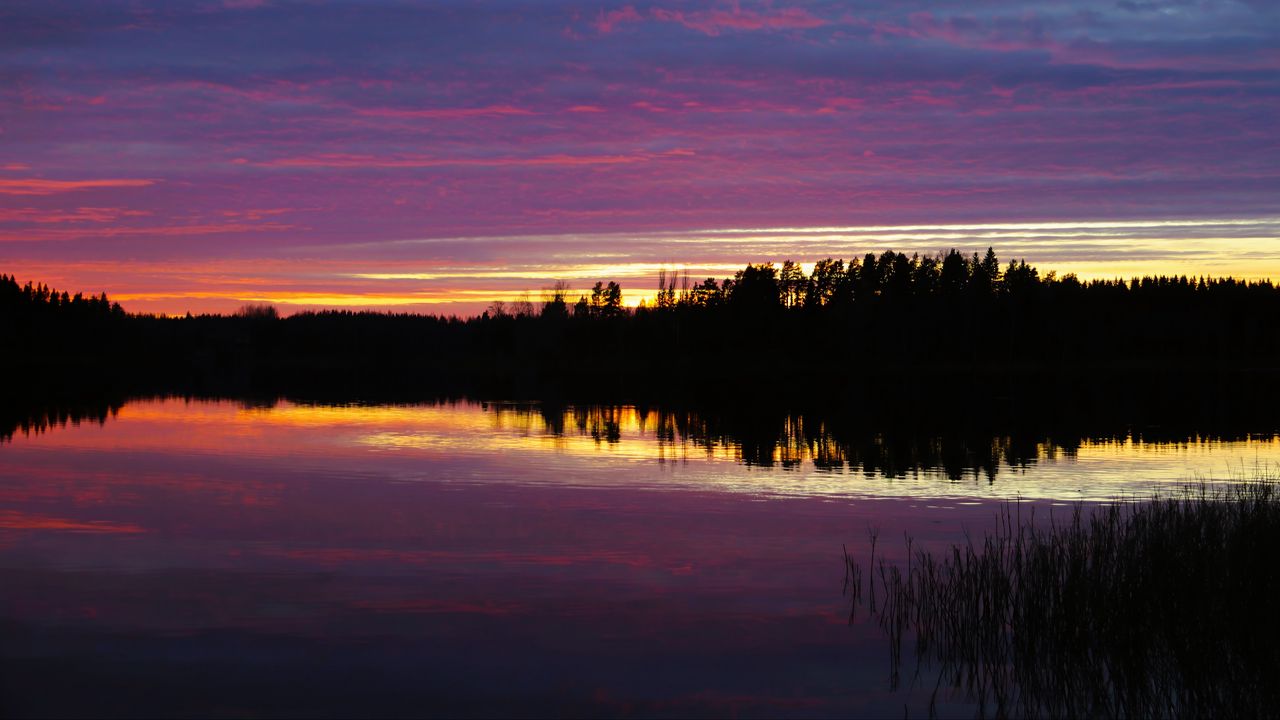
{"x":436,"y":156}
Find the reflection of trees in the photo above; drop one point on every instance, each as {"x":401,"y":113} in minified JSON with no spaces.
{"x":788,"y":440}
{"x":25,"y":415}
{"x":1157,"y":609}
{"x":36,"y":418}
{"x":754,"y":437}
{"x":601,"y":423}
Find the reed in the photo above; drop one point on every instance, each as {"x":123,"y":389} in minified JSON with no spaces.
{"x":1154,"y":608}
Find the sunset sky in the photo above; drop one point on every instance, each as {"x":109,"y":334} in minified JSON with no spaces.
{"x":437,"y":156}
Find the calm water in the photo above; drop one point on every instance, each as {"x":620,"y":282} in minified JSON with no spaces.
{"x":212,"y":558}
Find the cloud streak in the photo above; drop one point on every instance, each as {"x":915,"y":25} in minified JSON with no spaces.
{"x":408,"y":162}
{"x":36,"y":186}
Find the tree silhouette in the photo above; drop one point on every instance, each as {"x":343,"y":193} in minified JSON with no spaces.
{"x":825,"y":282}
{"x":612,"y":299}
{"x":954,"y":275}
{"x":791,"y":284}
{"x":755,"y":288}
{"x":554,"y":306}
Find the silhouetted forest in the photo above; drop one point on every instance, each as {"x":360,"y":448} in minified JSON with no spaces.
{"x":878,"y":332}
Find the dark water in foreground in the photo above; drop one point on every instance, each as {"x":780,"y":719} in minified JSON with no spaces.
{"x":212,"y":558}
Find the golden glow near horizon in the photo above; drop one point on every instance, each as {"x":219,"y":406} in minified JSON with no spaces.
{"x":389,"y":275}
{"x":621,"y":446}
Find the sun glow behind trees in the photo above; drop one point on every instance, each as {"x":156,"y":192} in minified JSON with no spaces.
{"x":464,"y":275}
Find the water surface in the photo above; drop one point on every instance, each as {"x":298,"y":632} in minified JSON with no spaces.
{"x":218,"y":557}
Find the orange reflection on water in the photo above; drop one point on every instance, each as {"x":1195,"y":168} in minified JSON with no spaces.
{"x":614,"y":447}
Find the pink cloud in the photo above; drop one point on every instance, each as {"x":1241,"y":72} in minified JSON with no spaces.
{"x":35,"y":186}
{"x":257,"y":213}
{"x":835,"y":104}
{"x":148,"y":231}
{"x":713,"y":22}
{"x":447,"y":113}
{"x":646,"y":105}
{"x":83,"y":214}
{"x":607,"y":21}
{"x":15,"y":520}
{"x":338,"y":160}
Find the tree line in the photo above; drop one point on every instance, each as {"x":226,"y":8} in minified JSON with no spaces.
{"x":32,"y":300}
{"x":883,"y":330}
{"x":896,"y":277}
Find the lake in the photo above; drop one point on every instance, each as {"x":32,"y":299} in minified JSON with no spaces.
{"x":284,"y":559}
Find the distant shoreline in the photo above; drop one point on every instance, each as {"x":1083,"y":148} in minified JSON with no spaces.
{"x":892,"y":335}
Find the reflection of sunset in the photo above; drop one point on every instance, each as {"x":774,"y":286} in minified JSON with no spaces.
{"x":594,"y":446}
{"x":499,"y":526}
